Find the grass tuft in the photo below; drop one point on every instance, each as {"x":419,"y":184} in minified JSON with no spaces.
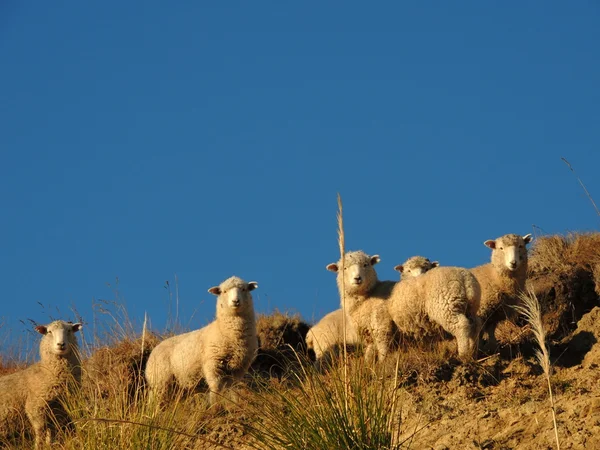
{"x":322,"y":411}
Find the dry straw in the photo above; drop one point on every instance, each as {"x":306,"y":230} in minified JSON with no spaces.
{"x":342,"y":245}
{"x":582,"y":185}
{"x":530,"y":309}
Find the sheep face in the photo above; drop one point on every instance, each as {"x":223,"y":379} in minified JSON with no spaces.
{"x":59,"y":338}
{"x":509,"y":251}
{"x":415,"y":266}
{"x":234,"y":296}
{"x":359,"y":275}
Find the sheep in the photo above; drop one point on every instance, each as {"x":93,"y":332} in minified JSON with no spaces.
{"x":362,"y":297}
{"x":37,"y":392}
{"x":501,"y":281}
{"x":447,"y":298}
{"x":415,"y":266}
{"x":219,"y":353}
{"x":327,"y":334}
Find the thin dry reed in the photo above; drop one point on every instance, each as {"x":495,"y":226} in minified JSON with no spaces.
{"x":530,"y":309}
{"x":582,"y":185}
{"x":342,"y":245}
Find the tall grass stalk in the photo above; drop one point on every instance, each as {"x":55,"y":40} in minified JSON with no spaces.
{"x":531,"y":311}
{"x":582,"y":185}
{"x":342,"y":245}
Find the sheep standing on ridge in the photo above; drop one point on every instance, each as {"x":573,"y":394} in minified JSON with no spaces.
{"x":446,"y":297}
{"x":415,"y":266}
{"x":501,"y":281}
{"x":328,"y":334}
{"x":37,"y":391}
{"x":220,"y":353}
{"x":363,"y":299}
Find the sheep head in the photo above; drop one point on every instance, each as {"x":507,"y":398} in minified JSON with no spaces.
{"x":509,"y":251}
{"x":359,"y":275}
{"x":59,"y":338}
{"x":415,"y":266}
{"x":233,"y":296}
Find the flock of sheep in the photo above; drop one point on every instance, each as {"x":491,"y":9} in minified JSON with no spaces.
{"x":466,"y":303}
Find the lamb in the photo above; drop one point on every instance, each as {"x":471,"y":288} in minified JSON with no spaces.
{"x":327,"y":335}
{"x":37,"y":392}
{"x":447,"y":298}
{"x":415,"y":266}
{"x":220,"y":353}
{"x":363,"y":300}
{"x":501,"y":281}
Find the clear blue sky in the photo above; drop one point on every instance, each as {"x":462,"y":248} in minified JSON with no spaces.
{"x":141,"y":140}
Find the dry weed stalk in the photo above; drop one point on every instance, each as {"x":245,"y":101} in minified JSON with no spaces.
{"x":342,"y":245}
{"x":582,"y":185}
{"x":530,"y":309}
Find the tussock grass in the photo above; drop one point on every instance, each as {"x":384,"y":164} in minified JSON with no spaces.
{"x":562,"y":253}
{"x":326,"y":411}
{"x":280,"y":336}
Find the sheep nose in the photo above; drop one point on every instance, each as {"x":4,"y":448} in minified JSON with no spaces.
{"x":358,"y":279}
{"x":61,"y":345}
{"x":235,"y":302}
{"x":513,"y":264}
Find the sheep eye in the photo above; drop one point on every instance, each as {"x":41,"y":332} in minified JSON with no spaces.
{"x":365,"y":265}
{"x":501,"y":248}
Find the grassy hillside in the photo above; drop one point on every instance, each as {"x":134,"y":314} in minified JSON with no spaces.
{"x":420,"y":398}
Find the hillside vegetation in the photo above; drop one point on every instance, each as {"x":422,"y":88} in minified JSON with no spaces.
{"x":420,"y":398}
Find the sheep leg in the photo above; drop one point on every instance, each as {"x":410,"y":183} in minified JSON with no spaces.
{"x":370,"y":353}
{"x":490,"y":331}
{"x":216,"y":383}
{"x":383,"y":341}
{"x":37,"y":418}
{"x":463,"y":330}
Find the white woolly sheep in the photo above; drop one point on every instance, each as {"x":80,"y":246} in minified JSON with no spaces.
{"x":363,"y":299}
{"x":415,"y":266}
{"x":37,"y":392}
{"x":220,"y":353}
{"x":446,"y":297}
{"x":327,"y":335}
{"x":501,"y":281}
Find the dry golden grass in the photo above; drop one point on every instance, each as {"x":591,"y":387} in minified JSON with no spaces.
{"x":558,"y":253}
{"x":531,"y":310}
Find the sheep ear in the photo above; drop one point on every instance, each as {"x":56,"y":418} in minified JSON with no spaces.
{"x":41,"y":329}
{"x":528,"y":238}
{"x":490,"y":243}
{"x":215,"y":290}
{"x":76,"y":327}
{"x":252,"y":285}
{"x":435,"y":264}
{"x":333,"y":267}
{"x":375,"y":259}
{"x":399,"y":268}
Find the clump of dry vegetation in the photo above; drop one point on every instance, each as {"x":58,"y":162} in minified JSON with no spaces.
{"x":120,"y":364}
{"x":281,"y":344}
{"x":564,"y":276}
